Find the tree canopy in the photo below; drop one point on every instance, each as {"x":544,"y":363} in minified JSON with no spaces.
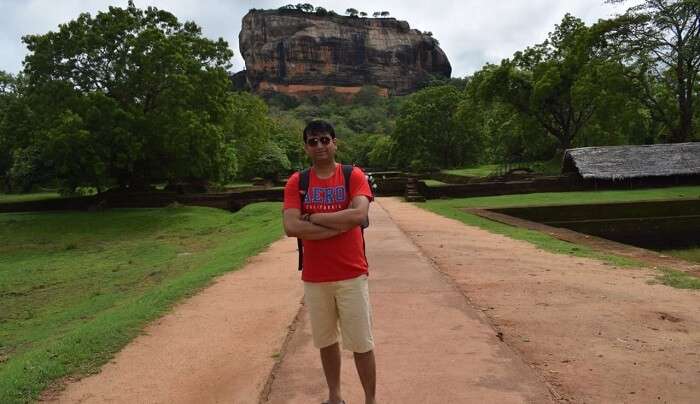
{"x":135,"y":94}
{"x":660,"y":41}
{"x":427,"y":133}
{"x":132,"y":97}
{"x":546,"y":81}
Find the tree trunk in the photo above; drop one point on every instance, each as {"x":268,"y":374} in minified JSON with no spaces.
{"x":138,"y":183}
{"x":685,"y":125}
{"x":566,"y":142}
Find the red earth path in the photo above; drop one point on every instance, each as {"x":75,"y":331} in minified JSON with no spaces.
{"x":461,"y":316}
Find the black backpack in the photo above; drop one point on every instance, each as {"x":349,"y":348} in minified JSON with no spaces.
{"x":304,"y":189}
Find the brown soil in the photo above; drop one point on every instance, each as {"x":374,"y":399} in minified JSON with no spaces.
{"x":306,"y":89}
{"x":461,"y":315}
{"x":595,"y":332}
{"x":432,"y":346}
{"x":217,"y":347}
{"x":645,"y":256}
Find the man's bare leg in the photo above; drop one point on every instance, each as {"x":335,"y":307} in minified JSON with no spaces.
{"x":330,"y":358}
{"x":366,"y":369}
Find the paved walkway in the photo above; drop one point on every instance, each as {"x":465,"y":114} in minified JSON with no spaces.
{"x":432,"y":346}
{"x":221,"y":345}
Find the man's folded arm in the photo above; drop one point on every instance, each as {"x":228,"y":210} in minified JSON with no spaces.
{"x":345,"y":219}
{"x":294,"y":226}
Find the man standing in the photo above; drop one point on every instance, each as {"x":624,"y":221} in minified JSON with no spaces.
{"x":334,"y":264}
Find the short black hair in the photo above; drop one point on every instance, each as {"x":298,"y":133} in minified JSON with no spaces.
{"x":317,"y":127}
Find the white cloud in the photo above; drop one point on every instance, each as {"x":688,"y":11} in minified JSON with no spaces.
{"x":471,"y":32}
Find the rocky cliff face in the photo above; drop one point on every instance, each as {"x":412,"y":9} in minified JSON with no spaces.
{"x":296,"y":53}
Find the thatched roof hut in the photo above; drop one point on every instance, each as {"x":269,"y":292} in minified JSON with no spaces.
{"x":625,"y":162}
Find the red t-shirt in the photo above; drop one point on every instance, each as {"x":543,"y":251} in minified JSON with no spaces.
{"x":340,"y":257}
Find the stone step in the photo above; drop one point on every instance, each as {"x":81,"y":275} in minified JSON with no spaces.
{"x":415,"y":198}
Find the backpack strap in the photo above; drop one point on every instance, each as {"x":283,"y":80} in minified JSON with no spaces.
{"x":303,"y":186}
{"x":347,"y":172}
{"x":303,"y":190}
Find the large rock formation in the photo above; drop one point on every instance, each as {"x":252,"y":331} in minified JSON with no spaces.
{"x":295,"y":53}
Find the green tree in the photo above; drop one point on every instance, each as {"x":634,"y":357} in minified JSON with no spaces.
{"x":8,"y":85}
{"x":384,"y":13}
{"x":306,"y":7}
{"x":381,"y":154}
{"x":287,"y":134}
{"x":249,"y":126}
{"x":146,"y":95}
{"x":365,"y":119}
{"x":355,"y":149}
{"x":428,"y":132}
{"x":660,"y":41}
{"x":270,"y":162}
{"x":17,"y":134}
{"x":7,"y":97}
{"x":351,"y":12}
{"x":367,"y":96}
{"x":620,"y":117}
{"x":552,"y":82}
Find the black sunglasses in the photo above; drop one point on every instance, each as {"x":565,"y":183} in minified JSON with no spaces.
{"x":313,"y":142}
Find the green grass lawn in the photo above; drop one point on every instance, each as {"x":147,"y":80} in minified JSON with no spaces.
{"x":480,"y":171}
{"x":7,"y":198}
{"x":77,"y":286}
{"x":239,"y":184}
{"x":453,"y":208}
{"x":552,"y":167}
{"x":567,"y":198}
{"x":434,"y":183}
{"x":688,"y":254}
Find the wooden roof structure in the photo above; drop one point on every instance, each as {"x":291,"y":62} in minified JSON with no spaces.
{"x":633,"y":161}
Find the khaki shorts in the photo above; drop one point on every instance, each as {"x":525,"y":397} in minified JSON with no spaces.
{"x":343,"y":308}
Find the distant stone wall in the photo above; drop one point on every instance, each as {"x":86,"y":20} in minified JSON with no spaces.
{"x":388,"y":184}
{"x":77,"y":203}
{"x":563,"y":183}
{"x":448,"y":178}
{"x":232,"y":201}
{"x":645,"y":182}
{"x":653,"y":224}
{"x":543,"y":184}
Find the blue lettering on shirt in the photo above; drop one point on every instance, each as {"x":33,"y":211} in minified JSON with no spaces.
{"x":330,"y":198}
{"x":329,"y":194}
{"x":340,"y":194}
{"x":316,"y":195}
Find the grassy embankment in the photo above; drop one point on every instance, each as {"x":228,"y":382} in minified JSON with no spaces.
{"x":9,"y":198}
{"x":453,"y":208}
{"x":480,"y":171}
{"x":50,"y":194}
{"x":77,"y":286}
{"x":551,"y":167}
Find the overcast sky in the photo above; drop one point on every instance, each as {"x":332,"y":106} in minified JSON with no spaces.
{"x":471,"y":32}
